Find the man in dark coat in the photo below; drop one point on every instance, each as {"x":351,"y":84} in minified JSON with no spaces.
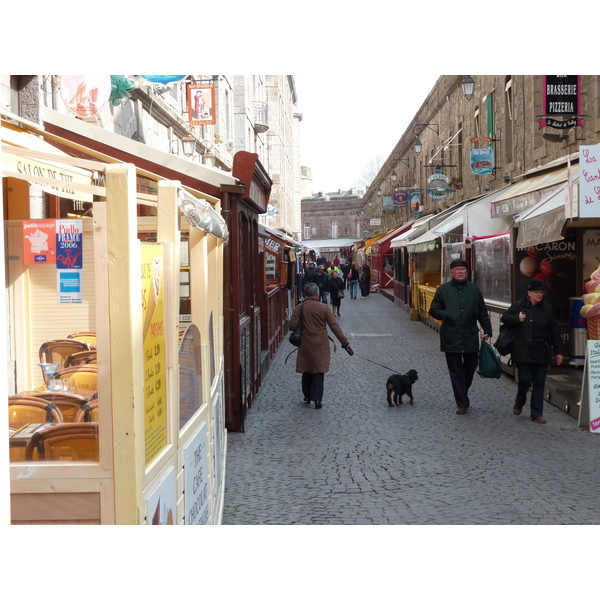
{"x":310,"y":273}
{"x":314,"y":353}
{"x":459,"y":304}
{"x":322,"y":280}
{"x":537,"y":335}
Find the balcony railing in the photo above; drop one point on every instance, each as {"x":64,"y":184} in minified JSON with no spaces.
{"x":260,"y":116}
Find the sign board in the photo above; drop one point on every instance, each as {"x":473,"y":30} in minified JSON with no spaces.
{"x":590,"y":404}
{"x":39,"y":242}
{"x":375,"y":222}
{"x":561,"y":97}
{"x":196,"y":496}
{"x":589,"y":181}
{"x":153,"y":338}
{"x":482,"y":161}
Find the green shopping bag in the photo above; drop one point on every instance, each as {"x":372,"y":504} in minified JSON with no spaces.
{"x":490,"y":366}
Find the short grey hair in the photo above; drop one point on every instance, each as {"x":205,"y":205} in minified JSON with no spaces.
{"x":311,"y":290}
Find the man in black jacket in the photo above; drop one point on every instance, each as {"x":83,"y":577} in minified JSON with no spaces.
{"x":459,"y":304}
{"x":537,"y":336}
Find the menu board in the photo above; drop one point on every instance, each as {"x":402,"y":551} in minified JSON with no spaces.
{"x":589,"y":181}
{"x":593,"y":384}
{"x":153,"y":328}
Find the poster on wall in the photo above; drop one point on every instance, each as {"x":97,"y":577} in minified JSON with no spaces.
{"x":589,"y":178}
{"x":201,"y":104}
{"x":39,"y":242}
{"x":69,"y":244}
{"x":553,"y":263}
{"x":161,"y":502}
{"x":196,"y":491}
{"x":68,"y":285}
{"x":153,"y":335}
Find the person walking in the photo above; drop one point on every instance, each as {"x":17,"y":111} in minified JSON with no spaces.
{"x":314,"y":353}
{"x":459,"y":304}
{"x":336,"y":292}
{"x":537,"y":336}
{"x":365,"y":281}
{"x":353,"y":281}
{"x":345,"y":268}
{"x":322,"y":280}
{"x":310,"y":273}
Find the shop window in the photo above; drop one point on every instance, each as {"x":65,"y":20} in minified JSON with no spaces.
{"x":190,"y":375}
{"x":334,"y":229}
{"x":307,"y":231}
{"x":492,"y":268}
{"x":272,"y":267}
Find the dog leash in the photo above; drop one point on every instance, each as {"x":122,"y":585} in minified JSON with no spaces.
{"x":296,"y":349}
{"x":375,"y":363}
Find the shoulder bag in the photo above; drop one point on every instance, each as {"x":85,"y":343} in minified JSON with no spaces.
{"x":296,"y":335}
{"x":506,"y":340}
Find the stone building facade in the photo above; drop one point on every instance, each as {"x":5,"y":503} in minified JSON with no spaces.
{"x":335,"y":215}
{"x":505,"y":108}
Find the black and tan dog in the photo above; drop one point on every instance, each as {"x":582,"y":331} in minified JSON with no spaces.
{"x":400,"y":385}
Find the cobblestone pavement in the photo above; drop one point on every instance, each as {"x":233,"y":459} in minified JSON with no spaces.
{"x":358,"y":461}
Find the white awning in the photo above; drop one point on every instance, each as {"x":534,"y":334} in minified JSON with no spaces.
{"x":543,"y":222}
{"x":418,"y":227}
{"x":530,"y":192}
{"x":427,"y":242}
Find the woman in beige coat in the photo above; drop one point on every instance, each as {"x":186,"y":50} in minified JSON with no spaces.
{"x":314,"y":353}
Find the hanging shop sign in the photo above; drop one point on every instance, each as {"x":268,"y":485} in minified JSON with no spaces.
{"x":482,"y":161}
{"x":561,"y":101}
{"x":387,"y":203}
{"x":589,"y":181}
{"x":85,"y":95}
{"x":375,"y":222}
{"x":400,"y":199}
{"x":438,"y":186}
{"x":163,"y":79}
{"x":416,"y":204}
{"x":201,"y":104}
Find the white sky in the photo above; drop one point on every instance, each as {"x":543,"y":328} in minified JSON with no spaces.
{"x":348,"y":121}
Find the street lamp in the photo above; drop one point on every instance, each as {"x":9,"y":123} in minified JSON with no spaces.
{"x":418,"y":130}
{"x":468,"y":86}
{"x":188,"y":144}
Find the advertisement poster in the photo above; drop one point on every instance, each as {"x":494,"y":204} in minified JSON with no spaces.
{"x":201,"y":104}
{"x":153,"y":320}
{"x":589,"y":181}
{"x":593,"y":384}
{"x":482,"y":161}
{"x":400,"y":198}
{"x":561,"y":97}
{"x":68,"y":285}
{"x":69,"y":244}
{"x":39,"y":242}
{"x":554,"y":264}
{"x":197,"y":502}
{"x":161,"y":503}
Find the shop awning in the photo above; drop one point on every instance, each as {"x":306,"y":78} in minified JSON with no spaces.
{"x":392,"y":234}
{"x":543,"y":222}
{"x":427,"y":242}
{"x":331,"y":245}
{"x":27,"y":156}
{"x":367,"y":247}
{"x":418,"y":227}
{"x":530,"y":191}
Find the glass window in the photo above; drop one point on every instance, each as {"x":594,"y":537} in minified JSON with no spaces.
{"x":492,"y":268}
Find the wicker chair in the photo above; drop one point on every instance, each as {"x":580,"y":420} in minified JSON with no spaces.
{"x":66,"y":441}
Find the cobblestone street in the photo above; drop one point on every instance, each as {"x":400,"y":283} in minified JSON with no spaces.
{"x":358,"y":461}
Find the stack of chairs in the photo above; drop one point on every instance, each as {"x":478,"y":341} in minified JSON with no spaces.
{"x":65,"y":441}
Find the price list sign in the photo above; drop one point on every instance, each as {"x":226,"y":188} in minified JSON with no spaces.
{"x":153,"y":319}
{"x":589,"y":181}
{"x":593,"y":384}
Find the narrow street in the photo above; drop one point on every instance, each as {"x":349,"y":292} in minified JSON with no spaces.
{"x":358,"y":461}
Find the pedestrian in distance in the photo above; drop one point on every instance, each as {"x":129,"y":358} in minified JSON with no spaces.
{"x":537,"y":335}
{"x":310,"y":273}
{"x":314,"y":353}
{"x":345,"y":268}
{"x":322,"y":280}
{"x":353,"y":281}
{"x":459,"y":304}
{"x":364,"y":282}
{"x":336,"y":287}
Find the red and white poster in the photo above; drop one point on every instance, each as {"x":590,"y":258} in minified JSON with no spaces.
{"x":39,"y":242}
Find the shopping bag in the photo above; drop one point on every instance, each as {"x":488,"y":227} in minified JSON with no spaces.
{"x":490,"y":366}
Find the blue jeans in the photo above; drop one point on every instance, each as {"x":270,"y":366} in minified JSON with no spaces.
{"x":353,"y":286}
{"x":532,"y":374}
{"x":323,"y":295}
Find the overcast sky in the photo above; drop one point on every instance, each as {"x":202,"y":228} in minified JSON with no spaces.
{"x":348,"y":121}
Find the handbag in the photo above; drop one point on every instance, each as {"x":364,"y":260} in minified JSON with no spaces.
{"x":296,"y":335}
{"x":506,"y":340}
{"x":340,"y":293}
{"x":490,"y":365}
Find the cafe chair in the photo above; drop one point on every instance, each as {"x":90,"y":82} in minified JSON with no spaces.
{"x":83,"y":377}
{"x":89,"y":337}
{"x":57,"y":351}
{"x":68,"y":404}
{"x":88,"y":413}
{"x":87,"y":357}
{"x":66,"y":442}
{"x":23,"y":410}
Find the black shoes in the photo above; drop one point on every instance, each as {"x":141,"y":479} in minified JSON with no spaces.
{"x":307,"y":400}
{"x":517,"y":409}
{"x":461,"y":410}
{"x":318,"y":405}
